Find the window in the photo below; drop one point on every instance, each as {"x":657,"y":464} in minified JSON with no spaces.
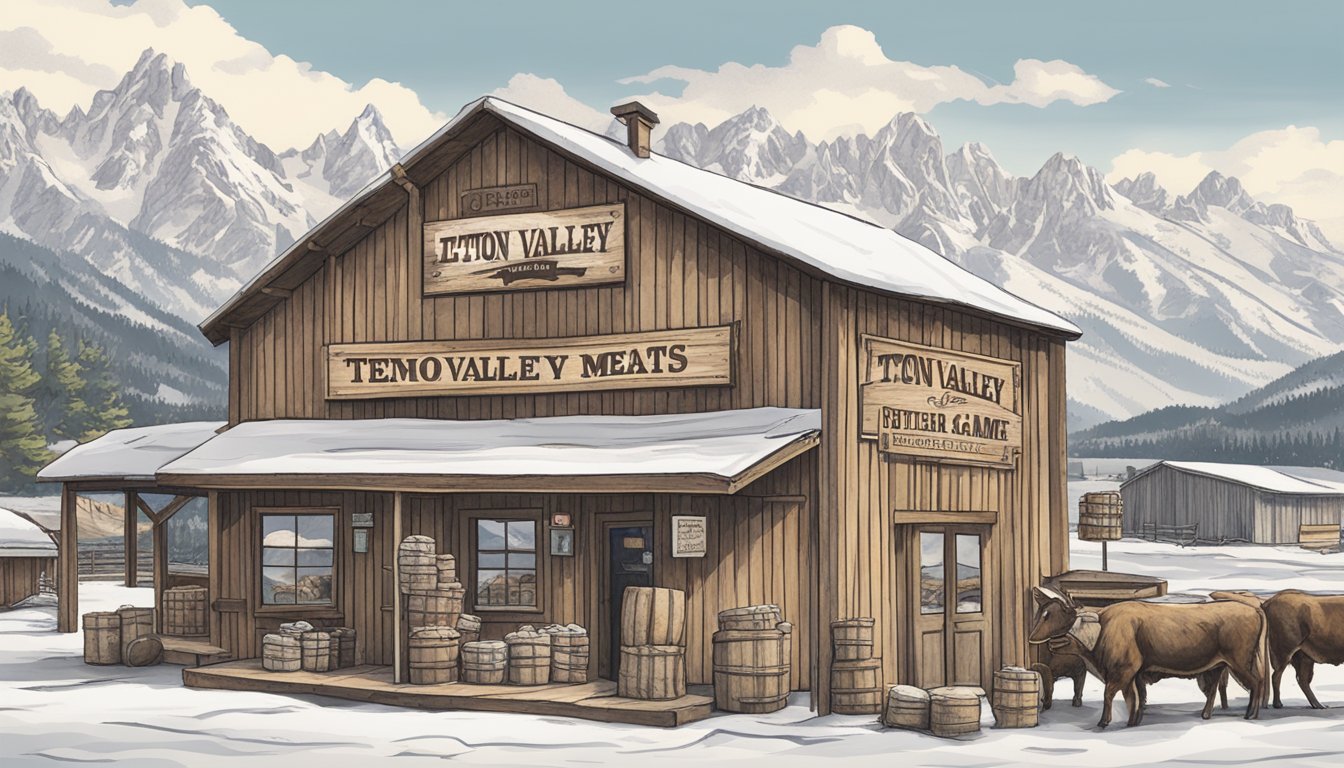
{"x":506,"y":564}
{"x":931,"y":578}
{"x":297,"y":558}
{"x":968,"y":573}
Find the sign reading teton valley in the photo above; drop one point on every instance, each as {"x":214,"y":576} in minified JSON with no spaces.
{"x":526,"y":251}
{"x":935,"y":403}
{"x":685,"y":357}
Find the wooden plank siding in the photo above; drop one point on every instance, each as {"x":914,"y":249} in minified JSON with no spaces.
{"x":21,"y":576}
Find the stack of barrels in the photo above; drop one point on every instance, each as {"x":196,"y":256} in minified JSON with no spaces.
{"x":281,"y":651}
{"x":948,"y":711}
{"x":417,"y":565}
{"x":752,"y":652}
{"x":653,"y":644}
{"x":529,"y":654}
{"x":856,"y":673}
{"x":342,"y":647}
{"x":125,"y":636}
{"x":569,"y":653}
{"x":469,"y":627}
{"x":434,"y":603}
{"x":186,"y":611}
{"x":298,"y":645}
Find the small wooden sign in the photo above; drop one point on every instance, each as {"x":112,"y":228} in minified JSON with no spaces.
{"x":514,"y":197}
{"x":687,"y":357}
{"x":526,"y":251}
{"x":690,"y":536}
{"x":939,"y":404}
{"x":361,"y":519}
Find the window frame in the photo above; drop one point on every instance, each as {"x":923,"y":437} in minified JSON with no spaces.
{"x":539,"y":551}
{"x":331,"y":608}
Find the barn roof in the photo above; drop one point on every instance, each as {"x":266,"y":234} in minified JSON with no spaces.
{"x":135,"y":453}
{"x":840,"y":246}
{"x":20,"y":537}
{"x":1301,"y":481}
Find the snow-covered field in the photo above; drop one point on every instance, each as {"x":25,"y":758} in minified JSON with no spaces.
{"x":54,"y":709}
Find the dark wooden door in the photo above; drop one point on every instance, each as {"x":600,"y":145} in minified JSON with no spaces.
{"x":629,"y":564}
{"x":951,"y":630}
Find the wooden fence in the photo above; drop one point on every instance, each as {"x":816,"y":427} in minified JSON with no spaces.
{"x":106,"y":561}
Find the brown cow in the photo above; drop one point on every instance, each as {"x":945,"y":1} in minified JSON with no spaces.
{"x":1304,"y":630}
{"x":1169,"y":639}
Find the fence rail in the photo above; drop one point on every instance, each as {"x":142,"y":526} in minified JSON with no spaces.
{"x":98,"y":560}
{"x":1184,"y":535}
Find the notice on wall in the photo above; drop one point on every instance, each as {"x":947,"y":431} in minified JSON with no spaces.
{"x":686,"y":357}
{"x":690,"y":536}
{"x":526,"y":251}
{"x":514,"y":197}
{"x":939,"y":404}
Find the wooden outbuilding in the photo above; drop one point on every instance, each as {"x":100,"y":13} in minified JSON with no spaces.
{"x":27,"y":558}
{"x":1208,"y":502}
{"x":580,"y":366}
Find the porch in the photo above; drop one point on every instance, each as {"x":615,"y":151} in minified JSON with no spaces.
{"x":595,"y":700}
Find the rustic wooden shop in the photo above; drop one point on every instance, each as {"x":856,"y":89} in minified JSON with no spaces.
{"x":579,"y":366}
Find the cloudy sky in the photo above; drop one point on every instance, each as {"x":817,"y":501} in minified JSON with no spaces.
{"x":1252,"y":89}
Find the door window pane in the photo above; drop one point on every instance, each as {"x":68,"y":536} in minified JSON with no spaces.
{"x":969,"y":599}
{"x":506,"y":563}
{"x":931,"y":577}
{"x":297,"y":556}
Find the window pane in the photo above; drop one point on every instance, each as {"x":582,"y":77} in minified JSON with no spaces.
{"x":931,"y":572}
{"x":968,"y":574}
{"x":523,"y":535}
{"x":490,"y":560}
{"x":314,"y":585}
{"x":276,"y":556}
{"x":491,"y":588}
{"x":315,"y":530}
{"x":527,"y":587}
{"x":277,"y":586}
{"x":277,"y":530}
{"x":315,"y":557}
{"x":522,"y":561}
{"x":490,"y":534}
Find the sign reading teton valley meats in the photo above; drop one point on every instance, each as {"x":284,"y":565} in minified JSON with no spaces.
{"x":687,"y":357}
{"x":935,"y":403}
{"x":526,"y":251}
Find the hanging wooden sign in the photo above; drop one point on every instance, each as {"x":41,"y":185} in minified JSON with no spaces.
{"x":526,"y":251}
{"x":686,"y":357}
{"x":939,"y":404}
{"x":515,"y":197}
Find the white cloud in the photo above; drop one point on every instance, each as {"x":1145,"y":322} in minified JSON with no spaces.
{"x":846,"y":82}
{"x":546,"y":95}
{"x":1294,"y":166}
{"x":66,"y":51}
{"x":1153,"y":81}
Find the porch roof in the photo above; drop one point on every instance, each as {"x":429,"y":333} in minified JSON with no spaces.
{"x":132,"y":454}
{"x":714,"y":452}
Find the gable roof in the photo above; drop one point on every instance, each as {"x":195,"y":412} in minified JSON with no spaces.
{"x":839,"y":246}
{"x":1286,"y":480}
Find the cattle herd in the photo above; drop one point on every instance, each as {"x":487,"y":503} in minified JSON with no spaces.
{"x":1130,"y":644}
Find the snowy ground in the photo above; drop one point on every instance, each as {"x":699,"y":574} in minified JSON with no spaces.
{"x":53,"y":708}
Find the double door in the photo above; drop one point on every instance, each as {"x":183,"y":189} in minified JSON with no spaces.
{"x":949,"y":603}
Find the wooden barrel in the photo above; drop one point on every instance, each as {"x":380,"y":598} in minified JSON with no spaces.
{"x":469,"y":627}
{"x":485,"y":662}
{"x":751,"y":669}
{"x":143,"y":651}
{"x":569,"y":653}
{"x":434,"y":607}
{"x":653,"y":616}
{"x":315,"y":647}
{"x":431,"y":654}
{"x":135,"y":623}
{"x":749,"y":617}
{"x":342,"y":648}
{"x":652,"y":672}
{"x":447,"y":571}
{"x":1100,"y":516}
{"x":281,"y":653}
{"x":417,"y":565}
{"x":907,"y":707}
{"x":852,"y":639}
{"x":856,"y":687}
{"x":186,"y":611}
{"x":529,"y":657}
{"x":102,"y":638}
{"x":954,"y":711}
{"x":1017,"y":698}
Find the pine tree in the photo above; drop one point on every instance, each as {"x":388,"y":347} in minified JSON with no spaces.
{"x":23,"y":449}
{"x":101,"y":393}
{"x":62,"y":402}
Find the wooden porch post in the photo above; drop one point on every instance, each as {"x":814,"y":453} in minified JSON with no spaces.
{"x":130,"y":539}
{"x":160,"y":534}
{"x":67,"y":580}
{"x":396,"y":588}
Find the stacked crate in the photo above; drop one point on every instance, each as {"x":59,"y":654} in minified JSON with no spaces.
{"x":653,"y":644}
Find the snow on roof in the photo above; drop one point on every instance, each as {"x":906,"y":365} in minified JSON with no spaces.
{"x":847,"y":248}
{"x":19,"y":537}
{"x":1264,"y":478}
{"x":719,"y":443}
{"x":129,"y":454}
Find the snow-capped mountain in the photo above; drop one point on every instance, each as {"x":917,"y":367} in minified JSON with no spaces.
{"x":1196,"y":301}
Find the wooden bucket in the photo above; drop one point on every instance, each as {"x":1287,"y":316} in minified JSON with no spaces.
{"x":907,"y":707}
{"x":315,"y":647}
{"x":1101,"y":516}
{"x":751,"y":669}
{"x":186,"y":611}
{"x":529,"y":657}
{"x":852,"y":639}
{"x":653,"y":616}
{"x":954,"y":711}
{"x":417,"y":565}
{"x":569,"y":653}
{"x":485,"y":662}
{"x":1017,"y":698}
{"x":469,"y":627}
{"x":435,"y":607}
{"x":751,"y":617}
{"x":281,"y":653}
{"x":652,"y":672}
{"x":143,"y":651}
{"x":102,"y":638}
{"x":856,"y":687}
{"x":135,"y":623}
{"x":342,"y":647}
{"x":447,"y":571}
{"x":432,"y":655}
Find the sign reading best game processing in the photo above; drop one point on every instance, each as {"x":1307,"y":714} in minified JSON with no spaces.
{"x":938,"y":404}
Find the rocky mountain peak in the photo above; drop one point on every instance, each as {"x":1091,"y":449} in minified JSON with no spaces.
{"x":1144,"y":191}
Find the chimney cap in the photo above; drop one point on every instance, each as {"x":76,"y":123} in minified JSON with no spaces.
{"x":624,"y":112}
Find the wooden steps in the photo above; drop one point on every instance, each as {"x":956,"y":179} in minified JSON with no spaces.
{"x":190,"y":651}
